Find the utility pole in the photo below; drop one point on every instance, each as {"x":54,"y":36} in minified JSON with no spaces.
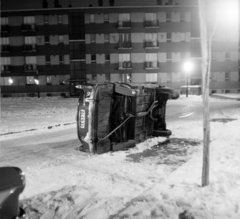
{"x":206,"y":60}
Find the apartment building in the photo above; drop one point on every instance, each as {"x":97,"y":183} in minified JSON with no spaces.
{"x":50,"y":50}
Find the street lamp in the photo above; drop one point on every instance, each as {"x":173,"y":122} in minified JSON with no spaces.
{"x":187,"y":67}
{"x":37,"y":83}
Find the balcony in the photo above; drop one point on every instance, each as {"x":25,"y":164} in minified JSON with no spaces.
{"x":151,"y":44}
{"x":5,"y":48}
{"x":6,"y":69}
{"x":124,"y":45}
{"x":124,"y":25}
{"x":30,"y":68}
{"x":125,"y":65}
{"x":29,"y":48}
{"x":151,"y":24}
{"x":151,"y":65}
{"x":5,"y":28}
{"x":28,"y":28}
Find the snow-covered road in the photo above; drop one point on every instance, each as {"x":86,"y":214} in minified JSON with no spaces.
{"x":152,"y":180}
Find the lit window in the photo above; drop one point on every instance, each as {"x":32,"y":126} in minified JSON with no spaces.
{"x":49,"y":79}
{"x":30,"y":80}
{"x":106,"y":18}
{"x":29,"y":23}
{"x":92,"y":18}
{"x":60,"y":39}
{"x":6,"y":81}
{"x":4,"y":42}
{"x":30,"y":43}
{"x":182,"y":37}
{"x":60,"y":19}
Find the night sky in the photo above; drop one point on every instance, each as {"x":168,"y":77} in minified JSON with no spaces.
{"x":33,"y":4}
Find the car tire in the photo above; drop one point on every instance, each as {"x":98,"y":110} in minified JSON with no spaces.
{"x":161,"y":133}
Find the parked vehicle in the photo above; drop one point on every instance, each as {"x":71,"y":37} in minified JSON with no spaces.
{"x":12,"y":183}
{"x":114,"y":116}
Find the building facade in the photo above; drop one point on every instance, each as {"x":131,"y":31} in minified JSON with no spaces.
{"x":50,"y":50}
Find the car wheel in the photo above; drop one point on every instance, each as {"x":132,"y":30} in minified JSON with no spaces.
{"x":161,"y":132}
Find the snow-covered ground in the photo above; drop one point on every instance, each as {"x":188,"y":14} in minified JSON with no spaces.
{"x":152,"y":180}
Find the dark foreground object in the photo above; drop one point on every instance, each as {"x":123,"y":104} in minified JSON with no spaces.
{"x":116,"y":116}
{"x":12,"y":183}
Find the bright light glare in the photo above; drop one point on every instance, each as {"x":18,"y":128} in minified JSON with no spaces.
{"x":188,"y":66}
{"x":228,"y":11}
{"x":10,"y":80}
{"x":36,"y":81}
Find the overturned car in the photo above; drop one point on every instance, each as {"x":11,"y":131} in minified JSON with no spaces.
{"x":114,"y":116}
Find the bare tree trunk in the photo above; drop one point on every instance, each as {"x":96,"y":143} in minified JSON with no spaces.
{"x":206,"y":60}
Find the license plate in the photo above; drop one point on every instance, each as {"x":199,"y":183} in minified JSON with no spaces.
{"x":82,"y":119}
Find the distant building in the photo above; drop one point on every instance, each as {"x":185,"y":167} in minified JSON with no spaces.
{"x":62,"y":47}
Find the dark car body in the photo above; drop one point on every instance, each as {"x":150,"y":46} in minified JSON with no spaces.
{"x":113,"y":116}
{"x":12,"y":183}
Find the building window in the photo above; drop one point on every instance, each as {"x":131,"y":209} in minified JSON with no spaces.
{"x":168,"y":17}
{"x":227,"y":55}
{"x":93,"y":58}
{"x":92,"y":18}
{"x":29,"y":23}
{"x":29,"y":43}
{"x":182,"y":16}
{"x":106,"y":18}
{"x":124,"y":20}
{"x":107,"y":57}
{"x":150,"y":19}
{"x":47,"y":40}
{"x":5,"y":64}
{"x":61,"y":59}
{"x":151,"y":60}
{"x":92,"y":38}
{"x":60,"y":19}
{"x":227,"y":76}
{"x":169,"y":77}
{"x":124,"y":40}
{"x":169,"y":37}
{"x":169,"y":57}
{"x":4,"y":24}
{"x":151,"y":77}
{"x":4,"y":21}
{"x":4,"y":42}
{"x":48,"y":60}
{"x":151,"y":40}
{"x":60,"y":39}
{"x":30,"y":80}
{"x":30,"y":63}
{"x":124,"y":61}
{"x":46,"y":19}
{"x":49,"y":80}
{"x":182,"y":37}
{"x":106,"y":37}
{"x":6,"y":81}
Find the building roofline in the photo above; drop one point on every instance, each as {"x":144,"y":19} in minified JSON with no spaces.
{"x":100,"y":7}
